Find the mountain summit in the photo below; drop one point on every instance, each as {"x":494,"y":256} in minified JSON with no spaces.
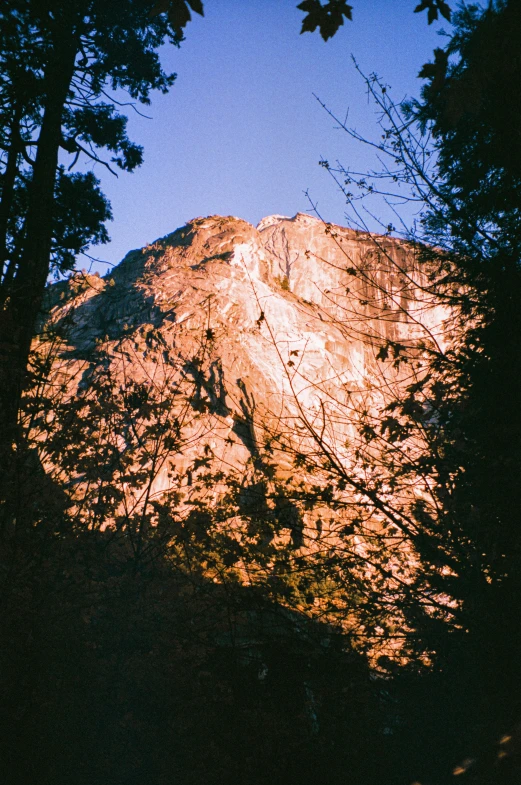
{"x":233,"y":385}
{"x":294,"y":309}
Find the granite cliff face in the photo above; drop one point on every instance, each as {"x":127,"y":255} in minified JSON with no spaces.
{"x":287,"y":319}
{"x":221,"y":355}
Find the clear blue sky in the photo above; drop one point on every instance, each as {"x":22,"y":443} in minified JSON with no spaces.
{"x":240,"y":132}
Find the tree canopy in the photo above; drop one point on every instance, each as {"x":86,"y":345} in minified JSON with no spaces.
{"x":453,"y":153}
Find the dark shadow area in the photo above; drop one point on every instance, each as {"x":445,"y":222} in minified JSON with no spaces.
{"x":244,"y":425}
{"x":209,"y":386}
{"x":109,"y":675}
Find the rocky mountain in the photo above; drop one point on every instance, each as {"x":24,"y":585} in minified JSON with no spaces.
{"x":291,"y":319}
{"x":192,"y":392}
{"x":211,"y":395}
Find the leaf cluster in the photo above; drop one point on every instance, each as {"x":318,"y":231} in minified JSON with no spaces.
{"x":113,"y":47}
{"x":434,"y":8}
{"x":328,"y":18}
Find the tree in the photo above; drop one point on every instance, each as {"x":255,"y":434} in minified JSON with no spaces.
{"x":59,"y":59}
{"x":449,"y":155}
{"x":465,"y":105}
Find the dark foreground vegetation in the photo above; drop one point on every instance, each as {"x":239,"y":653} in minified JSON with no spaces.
{"x":131,"y":649}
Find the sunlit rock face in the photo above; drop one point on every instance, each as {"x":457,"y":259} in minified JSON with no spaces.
{"x":284,"y":321}
{"x":251,"y":347}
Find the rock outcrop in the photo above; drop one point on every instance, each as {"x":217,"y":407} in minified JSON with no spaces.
{"x":258,"y":351}
{"x":285,"y":318}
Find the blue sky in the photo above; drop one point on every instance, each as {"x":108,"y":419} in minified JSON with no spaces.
{"x":240,"y":132}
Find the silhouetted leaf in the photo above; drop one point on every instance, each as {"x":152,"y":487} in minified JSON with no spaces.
{"x":196,"y":6}
{"x":433,"y":8}
{"x":328,"y":18}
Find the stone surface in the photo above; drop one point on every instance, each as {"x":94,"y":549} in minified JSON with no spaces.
{"x":247,"y":332}
{"x":287,"y":319}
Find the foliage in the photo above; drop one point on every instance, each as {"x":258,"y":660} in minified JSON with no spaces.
{"x":150,"y":627}
{"x":105,"y":47}
{"x":328,"y":18}
{"x":59,"y":63}
{"x":452,"y":436}
{"x":433,"y":8}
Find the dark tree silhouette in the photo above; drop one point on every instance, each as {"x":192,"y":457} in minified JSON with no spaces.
{"x":455,"y":154}
{"x":59,"y":62}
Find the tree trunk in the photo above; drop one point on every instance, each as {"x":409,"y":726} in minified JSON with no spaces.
{"x":8,"y":187}
{"x":24,"y":293}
